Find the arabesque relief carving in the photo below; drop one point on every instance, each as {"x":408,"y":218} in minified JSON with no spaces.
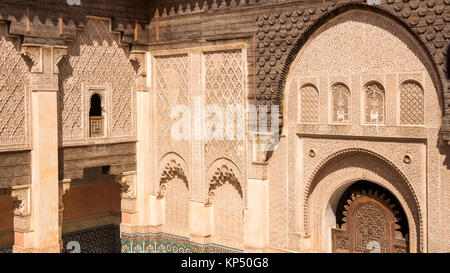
{"x":14,"y":99}
{"x":97,"y":58}
{"x":171,"y":171}
{"x":221,"y":176}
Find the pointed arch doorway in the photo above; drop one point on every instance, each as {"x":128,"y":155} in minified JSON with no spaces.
{"x":369,"y":220}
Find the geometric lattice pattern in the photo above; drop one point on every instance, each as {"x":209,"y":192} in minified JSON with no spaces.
{"x":411,"y":104}
{"x":341,"y":103}
{"x":168,"y":243}
{"x":375,"y":104}
{"x":370,"y":225}
{"x":309,"y":104}
{"x":96,"y":58}
{"x":172,"y":89}
{"x":13,"y":79}
{"x":104,"y":239}
{"x":224,"y":83}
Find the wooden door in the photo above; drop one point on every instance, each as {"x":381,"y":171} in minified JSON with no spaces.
{"x":370,"y":226}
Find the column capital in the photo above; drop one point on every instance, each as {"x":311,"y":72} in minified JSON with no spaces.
{"x":138,"y":59}
{"x":22,"y":208}
{"x":43,"y":61}
{"x":127,"y":182}
{"x":33,"y":56}
{"x":22,"y":200}
{"x":263,"y":144}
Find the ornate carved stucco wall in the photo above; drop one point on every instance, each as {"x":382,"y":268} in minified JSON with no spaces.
{"x":355,"y":49}
{"x":97,"y":62}
{"x":14,"y":98}
{"x":213,"y":170}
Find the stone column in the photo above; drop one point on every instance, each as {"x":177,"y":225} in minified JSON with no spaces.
{"x":41,"y":234}
{"x":256,"y":216}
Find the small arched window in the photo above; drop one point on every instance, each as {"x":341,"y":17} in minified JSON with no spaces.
{"x":96,"y":118}
{"x":309,"y":104}
{"x":374,"y":103}
{"x":341,"y":103}
{"x":411,"y":104}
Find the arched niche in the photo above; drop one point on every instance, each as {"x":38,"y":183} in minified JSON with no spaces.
{"x":174,"y":187}
{"x":338,"y":172}
{"x":226,"y":195}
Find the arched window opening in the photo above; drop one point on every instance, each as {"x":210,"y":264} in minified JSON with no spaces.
{"x":309,"y":104}
{"x":411,"y":104}
{"x":374,"y":103}
{"x":341,"y":103}
{"x":96,"y":118}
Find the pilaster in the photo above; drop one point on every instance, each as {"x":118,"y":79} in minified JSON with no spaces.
{"x":256,"y":216}
{"x":41,"y":230}
{"x":136,"y":215}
